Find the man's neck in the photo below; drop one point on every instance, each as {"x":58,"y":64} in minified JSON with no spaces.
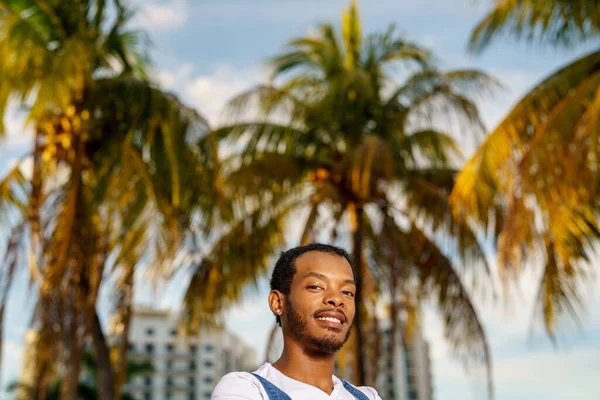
{"x":312,"y":368}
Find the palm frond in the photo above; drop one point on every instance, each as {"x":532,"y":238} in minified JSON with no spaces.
{"x":439,"y":280}
{"x":237,"y":258}
{"x":492,"y":166}
{"x":559,"y":290}
{"x":427,"y":194}
{"x":554,"y":22}
{"x":385,"y":48}
{"x":437,"y":148}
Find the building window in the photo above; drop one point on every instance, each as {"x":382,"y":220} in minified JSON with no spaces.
{"x":147,"y":396}
{"x":148,"y":380}
{"x":207,"y":395}
{"x":130,"y":347}
{"x":173,"y":332}
{"x":208,"y":364}
{"x":170,"y":348}
{"x":150,"y":332}
{"x":149,"y":348}
{"x":208,"y":348}
{"x":208,"y":379}
{"x":192,"y":381}
{"x":191,"y":396}
{"x":168,"y":396}
{"x":169,"y":365}
{"x":169,"y":382}
{"x":192,"y":365}
{"x":194,"y":349}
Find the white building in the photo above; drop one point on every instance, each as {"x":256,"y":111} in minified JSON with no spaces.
{"x":405,"y":373}
{"x":185,"y":368}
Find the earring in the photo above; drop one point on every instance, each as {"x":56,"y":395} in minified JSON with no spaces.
{"x":278,"y":312}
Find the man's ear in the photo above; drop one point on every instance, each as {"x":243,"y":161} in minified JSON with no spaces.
{"x":276,"y":299}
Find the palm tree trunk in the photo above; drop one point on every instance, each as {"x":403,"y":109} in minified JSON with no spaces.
{"x":33,"y":208}
{"x":356,"y":214}
{"x":75,"y":321}
{"x":394,"y":271}
{"x":393,"y":313}
{"x":73,"y":340}
{"x":120,"y":371}
{"x":106,"y":381}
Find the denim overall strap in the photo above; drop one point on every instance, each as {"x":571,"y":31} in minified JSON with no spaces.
{"x":358,"y":395}
{"x":273,"y":391}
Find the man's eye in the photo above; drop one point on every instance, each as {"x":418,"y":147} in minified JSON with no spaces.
{"x":348,"y":293}
{"x":313,"y":287}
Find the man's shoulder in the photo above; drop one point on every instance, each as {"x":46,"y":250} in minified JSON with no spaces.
{"x":239,"y":385}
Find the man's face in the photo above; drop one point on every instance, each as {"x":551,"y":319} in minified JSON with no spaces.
{"x":320,"y":307}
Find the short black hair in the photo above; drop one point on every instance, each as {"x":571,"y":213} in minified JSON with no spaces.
{"x":285,"y":268}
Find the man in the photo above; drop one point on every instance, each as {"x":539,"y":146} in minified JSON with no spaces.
{"x":312,"y":297}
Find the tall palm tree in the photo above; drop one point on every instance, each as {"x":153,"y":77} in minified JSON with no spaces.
{"x":336,"y":135}
{"x":535,"y":179}
{"x":117,"y":167}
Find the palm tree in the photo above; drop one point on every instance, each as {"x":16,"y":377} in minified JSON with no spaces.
{"x":535,"y":180}
{"x":117,"y":167}
{"x":339,"y":137}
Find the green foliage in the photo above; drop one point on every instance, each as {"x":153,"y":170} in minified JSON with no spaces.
{"x":548,"y":22}
{"x":335,"y":133}
{"x":535,"y":180}
{"x":119,"y":169}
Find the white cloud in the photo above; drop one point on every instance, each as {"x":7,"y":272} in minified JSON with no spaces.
{"x":559,"y":375}
{"x":162,"y":14}
{"x":518,"y":354}
{"x":293,"y":12}
{"x":173,"y":79}
{"x":210,"y":93}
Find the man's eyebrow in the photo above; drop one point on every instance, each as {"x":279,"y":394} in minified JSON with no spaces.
{"x":315,"y":274}
{"x":322,"y":276}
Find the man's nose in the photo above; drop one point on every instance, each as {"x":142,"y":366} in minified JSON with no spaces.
{"x":334,"y":298}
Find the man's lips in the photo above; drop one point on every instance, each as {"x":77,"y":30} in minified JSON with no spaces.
{"x":331,"y":318}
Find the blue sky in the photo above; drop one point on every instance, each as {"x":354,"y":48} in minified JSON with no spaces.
{"x":208,"y":50}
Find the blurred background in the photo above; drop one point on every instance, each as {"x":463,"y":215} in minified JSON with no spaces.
{"x":157,"y":156}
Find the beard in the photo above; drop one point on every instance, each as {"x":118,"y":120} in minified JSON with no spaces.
{"x":297,"y":326}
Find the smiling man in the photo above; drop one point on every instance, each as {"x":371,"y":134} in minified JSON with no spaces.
{"x":312,"y":297}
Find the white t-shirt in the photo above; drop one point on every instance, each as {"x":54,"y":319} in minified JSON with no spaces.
{"x":244,"y":386}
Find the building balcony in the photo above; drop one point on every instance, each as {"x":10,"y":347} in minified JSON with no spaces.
{"x":140,"y":354}
{"x":180,"y":355}
{"x":181,"y":371}
{"x":180,"y":387}
{"x":174,"y":387}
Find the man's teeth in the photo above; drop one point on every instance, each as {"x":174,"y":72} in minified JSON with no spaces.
{"x":330,"y":319}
